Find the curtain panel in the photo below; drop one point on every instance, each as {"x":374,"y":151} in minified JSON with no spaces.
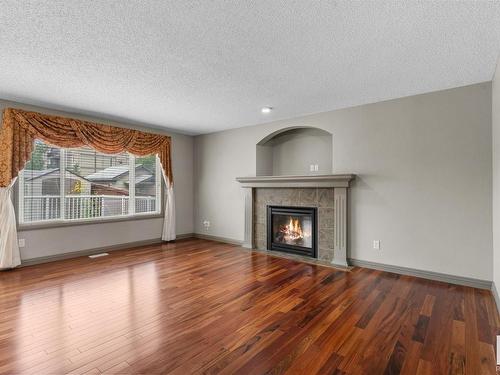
{"x":9,"y":250}
{"x":18,"y":133}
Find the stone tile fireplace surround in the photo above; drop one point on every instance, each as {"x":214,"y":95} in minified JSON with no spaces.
{"x":327,"y":193}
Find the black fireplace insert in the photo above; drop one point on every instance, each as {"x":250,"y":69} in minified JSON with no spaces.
{"x":292,"y":230}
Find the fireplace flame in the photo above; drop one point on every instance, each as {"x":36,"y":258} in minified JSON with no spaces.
{"x":292,"y":231}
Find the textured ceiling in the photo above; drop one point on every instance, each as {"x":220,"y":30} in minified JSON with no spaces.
{"x":202,"y":66}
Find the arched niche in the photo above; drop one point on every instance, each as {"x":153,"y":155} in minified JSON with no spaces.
{"x":292,"y":151}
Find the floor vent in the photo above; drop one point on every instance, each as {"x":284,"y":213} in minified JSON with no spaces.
{"x":98,"y":255}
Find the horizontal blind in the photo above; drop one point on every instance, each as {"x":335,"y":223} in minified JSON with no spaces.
{"x":84,"y":184}
{"x":96,"y":184}
{"x":40,"y":184}
{"x":145,"y":184}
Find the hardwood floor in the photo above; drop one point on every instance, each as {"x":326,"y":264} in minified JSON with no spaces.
{"x":204,"y":307}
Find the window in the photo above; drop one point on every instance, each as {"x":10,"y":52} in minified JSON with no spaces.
{"x":93,"y":185}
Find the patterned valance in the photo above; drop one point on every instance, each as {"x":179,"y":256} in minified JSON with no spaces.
{"x":21,"y":128}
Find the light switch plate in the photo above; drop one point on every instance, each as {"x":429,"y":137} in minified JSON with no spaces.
{"x":376,"y":244}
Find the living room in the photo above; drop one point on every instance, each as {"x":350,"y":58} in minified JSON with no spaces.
{"x":249,"y":187}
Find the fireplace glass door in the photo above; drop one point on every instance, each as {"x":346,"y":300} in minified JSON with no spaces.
{"x":292,"y":229}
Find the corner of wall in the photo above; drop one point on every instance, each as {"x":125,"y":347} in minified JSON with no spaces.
{"x":495,"y":136}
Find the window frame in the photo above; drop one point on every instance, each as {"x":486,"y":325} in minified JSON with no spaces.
{"x":57,"y":223}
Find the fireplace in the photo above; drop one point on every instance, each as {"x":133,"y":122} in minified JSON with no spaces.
{"x":292,"y":230}
{"x":326,"y":193}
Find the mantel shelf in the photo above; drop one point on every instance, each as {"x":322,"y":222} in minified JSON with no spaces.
{"x":329,"y":180}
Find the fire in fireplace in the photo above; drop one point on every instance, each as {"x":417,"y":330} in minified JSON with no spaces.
{"x":291,"y":233}
{"x":292,"y":229}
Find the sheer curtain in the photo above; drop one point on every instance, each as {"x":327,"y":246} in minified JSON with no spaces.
{"x":169,"y":222}
{"x":9,"y":247}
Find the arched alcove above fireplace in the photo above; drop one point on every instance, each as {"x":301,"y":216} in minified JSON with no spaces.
{"x":295,"y":151}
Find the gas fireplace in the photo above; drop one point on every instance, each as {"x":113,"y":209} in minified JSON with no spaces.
{"x":292,"y":230}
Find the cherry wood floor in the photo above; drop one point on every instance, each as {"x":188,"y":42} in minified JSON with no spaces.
{"x":204,"y":307}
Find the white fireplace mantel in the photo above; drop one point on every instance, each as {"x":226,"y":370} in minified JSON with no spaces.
{"x":340,"y":184}
{"x":328,"y":180}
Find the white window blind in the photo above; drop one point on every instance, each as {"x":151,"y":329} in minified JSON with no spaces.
{"x":83,"y":184}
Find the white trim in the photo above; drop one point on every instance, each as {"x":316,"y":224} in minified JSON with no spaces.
{"x":249,"y":240}
{"x":340,"y":227}
{"x":20,"y":195}
{"x":158,"y":180}
{"x":90,"y":220}
{"x":331,"y":180}
{"x":131,"y":184}
{"x":62,"y":184}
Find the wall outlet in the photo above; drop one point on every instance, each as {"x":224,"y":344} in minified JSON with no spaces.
{"x":311,"y":168}
{"x":498,"y":350}
{"x":206,"y":224}
{"x":376,"y":244}
{"x":21,"y":242}
{"x":316,"y":167}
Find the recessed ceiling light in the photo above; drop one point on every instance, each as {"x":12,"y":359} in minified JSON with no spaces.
{"x":266,"y":109}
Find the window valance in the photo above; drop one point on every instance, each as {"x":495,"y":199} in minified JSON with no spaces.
{"x":20,"y":129}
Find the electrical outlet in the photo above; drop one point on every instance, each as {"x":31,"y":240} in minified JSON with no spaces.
{"x":376,"y":244}
{"x":21,"y":242}
{"x":498,"y":351}
{"x":311,"y":168}
{"x":316,"y":167}
{"x":206,"y":224}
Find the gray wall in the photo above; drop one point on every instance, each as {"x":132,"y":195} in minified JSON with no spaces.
{"x":47,"y":242}
{"x":495,"y":109}
{"x":293,"y":151}
{"x":424,"y":178}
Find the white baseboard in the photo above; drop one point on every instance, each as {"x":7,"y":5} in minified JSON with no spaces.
{"x":451,"y":279}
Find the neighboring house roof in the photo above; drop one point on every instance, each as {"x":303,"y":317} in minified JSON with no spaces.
{"x":30,"y":174}
{"x":145,"y":178}
{"x":108,"y":174}
{"x":114,"y":173}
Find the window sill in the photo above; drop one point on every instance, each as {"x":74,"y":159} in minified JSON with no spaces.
{"x":62,"y":224}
